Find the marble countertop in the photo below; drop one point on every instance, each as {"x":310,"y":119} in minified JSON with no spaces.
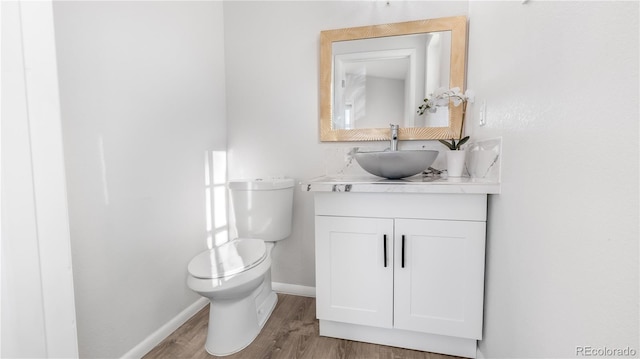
{"x":415,"y":184}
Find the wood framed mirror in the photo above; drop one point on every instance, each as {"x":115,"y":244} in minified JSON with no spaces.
{"x":372,"y":76}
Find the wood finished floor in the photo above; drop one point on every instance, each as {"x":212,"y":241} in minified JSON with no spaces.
{"x":291,"y":332}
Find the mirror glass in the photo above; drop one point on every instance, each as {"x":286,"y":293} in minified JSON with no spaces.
{"x":376,"y":75}
{"x":377,"y":81}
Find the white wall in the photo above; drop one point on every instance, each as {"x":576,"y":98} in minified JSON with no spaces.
{"x":561,"y":84}
{"x":142,"y":94}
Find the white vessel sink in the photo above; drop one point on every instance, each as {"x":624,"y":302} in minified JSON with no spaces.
{"x":396,"y":164}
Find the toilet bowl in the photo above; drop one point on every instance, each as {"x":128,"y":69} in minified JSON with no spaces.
{"x":236,"y":276}
{"x":238,"y":285}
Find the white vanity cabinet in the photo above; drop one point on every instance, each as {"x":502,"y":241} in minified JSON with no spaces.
{"x":401,"y":269}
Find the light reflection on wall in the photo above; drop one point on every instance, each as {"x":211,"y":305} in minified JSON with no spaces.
{"x":216,"y":197}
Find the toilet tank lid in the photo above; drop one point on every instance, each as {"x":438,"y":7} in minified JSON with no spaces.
{"x":261,"y":184}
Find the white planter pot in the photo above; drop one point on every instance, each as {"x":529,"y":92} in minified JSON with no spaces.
{"x":455,"y":163}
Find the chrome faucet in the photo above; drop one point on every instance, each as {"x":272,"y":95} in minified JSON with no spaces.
{"x":394,"y":137}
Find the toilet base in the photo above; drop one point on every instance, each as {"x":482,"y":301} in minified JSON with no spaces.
{"x":234,"y":324}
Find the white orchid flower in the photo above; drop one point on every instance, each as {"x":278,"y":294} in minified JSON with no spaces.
{"x":470,"y":95}
{"x":442,"y":101}
{"x":457,"y":100}
{"x":441,"y":97}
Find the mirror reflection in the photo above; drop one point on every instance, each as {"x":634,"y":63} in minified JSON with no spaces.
{"x":376,"y":75}
{"x":380,"y":81}
{"x":373,"y":88}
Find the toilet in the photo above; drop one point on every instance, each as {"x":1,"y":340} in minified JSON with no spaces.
{"x":236,"y":276}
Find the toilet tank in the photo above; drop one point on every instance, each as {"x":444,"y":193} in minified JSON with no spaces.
{"x":262,"y":208}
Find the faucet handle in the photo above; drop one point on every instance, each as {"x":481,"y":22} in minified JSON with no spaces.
{"x":394,"y":137}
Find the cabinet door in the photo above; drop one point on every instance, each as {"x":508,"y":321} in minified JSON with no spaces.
{"x":353,"y":285}
{"x":440,"y":287}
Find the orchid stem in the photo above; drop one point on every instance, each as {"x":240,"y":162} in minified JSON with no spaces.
{"x":464,"y":112}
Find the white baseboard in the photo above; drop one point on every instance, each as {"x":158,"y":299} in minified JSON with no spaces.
{"x":164,"y":331}
{"x":294,"y":289}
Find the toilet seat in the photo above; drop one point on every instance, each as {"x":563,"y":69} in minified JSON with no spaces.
{"x":228,"y":259}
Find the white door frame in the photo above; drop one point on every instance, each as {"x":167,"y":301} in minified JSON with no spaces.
{"x":39,"y":86}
